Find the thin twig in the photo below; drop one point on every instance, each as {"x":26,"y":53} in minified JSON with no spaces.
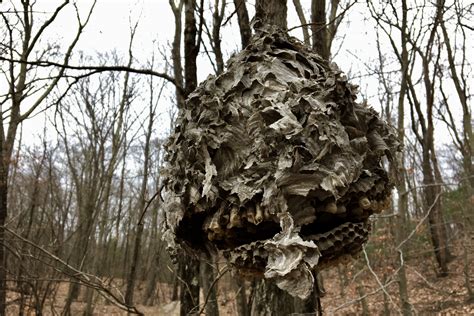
{"x":88,"y":280}
{"x":343,"y":12}
{"x":220,"y":275}
{"x":419,"y":223}
{"x":435,"y":185}
{"x":428,"y":283}
{"x":148,"y":203}
{"x":94,"y":69}
{"x":360,"y":298}
{"x":382,"y":286}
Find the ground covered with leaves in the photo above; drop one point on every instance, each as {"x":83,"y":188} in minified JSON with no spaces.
{"x":344,"y":285}
{"x":429,"y":294}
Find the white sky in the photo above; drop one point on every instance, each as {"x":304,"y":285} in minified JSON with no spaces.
{"x":109,"y":29}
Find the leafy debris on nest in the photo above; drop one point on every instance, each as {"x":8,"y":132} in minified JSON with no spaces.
{"x":275,"y":163}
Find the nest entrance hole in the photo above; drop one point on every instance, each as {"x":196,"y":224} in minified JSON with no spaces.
{"x":191,"y":230}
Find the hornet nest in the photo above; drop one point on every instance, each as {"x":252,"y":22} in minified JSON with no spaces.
{"x":275,"y":163}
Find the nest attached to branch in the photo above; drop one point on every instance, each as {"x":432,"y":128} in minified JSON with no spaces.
{"x":275,"y":163}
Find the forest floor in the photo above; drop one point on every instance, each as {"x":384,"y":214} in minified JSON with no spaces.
{"x":429,"y":294}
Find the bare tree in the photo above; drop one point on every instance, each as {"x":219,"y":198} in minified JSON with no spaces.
{"x":325,"y":21}
{"x":272,"y":12}
{"x":427,"y":48}
{"x":398,"y":171}
{"x":93,"y":124}
{"x":217,"y":17}
{"x":22,"y":41}
{"x":304,"y":24}
{"x":244,"y":22}
{"x":457,"y":64}
{"x":144,"y":199}
{"x":41,"y":189}
{"x":318,"y":27}
{"x":188,"y":269}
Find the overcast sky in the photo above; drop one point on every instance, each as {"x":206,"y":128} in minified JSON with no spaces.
{"x":109,"y":29}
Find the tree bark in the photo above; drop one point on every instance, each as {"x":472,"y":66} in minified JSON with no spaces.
{"x":217,"y":17}
{"x":272,"y":12}
{"x":461,"y":89}
{"x":241,"y":297}
{"x":432,"y":190}
{"x":189,"y":278}
{"x":207,"y":278}
{"x":22,"y":42}
{"x":176,"y":51}
{"x":304,"y":24}
{"x":319,"y":29}
{"x":188,"y":265}
{"x":268,"y":299}
{"x":142,"y":204}
{"x":3,"y":217}
{"x":363,"y":301}
{"x":400,"y":172}
{"x":244,"y":22}
{"x":191,"y":47}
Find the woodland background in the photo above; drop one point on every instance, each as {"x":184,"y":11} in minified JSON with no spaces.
{"x":80,"y":205}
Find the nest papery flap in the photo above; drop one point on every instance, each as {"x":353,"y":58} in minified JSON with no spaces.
{"x":290,"y":256}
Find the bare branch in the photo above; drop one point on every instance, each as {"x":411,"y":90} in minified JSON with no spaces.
{"x":82,"y":277}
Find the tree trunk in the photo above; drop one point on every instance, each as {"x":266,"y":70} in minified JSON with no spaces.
{"x":400,"y":172}
{"x":319,"y":29}
{"x":272,"y":12}
{"x":241,"y":297}
{"x":142,"y":206}
{"x":217,"y":17}
{"x":207,"y":278}
{"x":432,"y":197}
{"x":89,"y":299}
{"x":189,"y":278}
{"x":363,"y":301}
{"x":386,"y":301}
{"x":81,"y":249}
{"x":175,"y":292}
{"x":311,"y":305}
{"x":191,"y":47}
{"x":3,"y":217}
{"x":467,"y":247}
{"x":176,"y":52}
{"x":269,"y":299}
{"x":188,"y":265}
{"x":304,"y":24}
{"x":244,"y":22}
{"x":462,"y":93}
{"x":132,"y":275}
{"x":154,"y":261}
{"x":149,"y":298}
{"x":342,"y":273}
{"x":432,"y":190}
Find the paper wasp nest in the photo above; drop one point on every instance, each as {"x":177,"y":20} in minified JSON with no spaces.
{"x":276,"y":164}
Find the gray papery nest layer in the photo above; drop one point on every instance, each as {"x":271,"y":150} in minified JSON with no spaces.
{"x":276,"y":164}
